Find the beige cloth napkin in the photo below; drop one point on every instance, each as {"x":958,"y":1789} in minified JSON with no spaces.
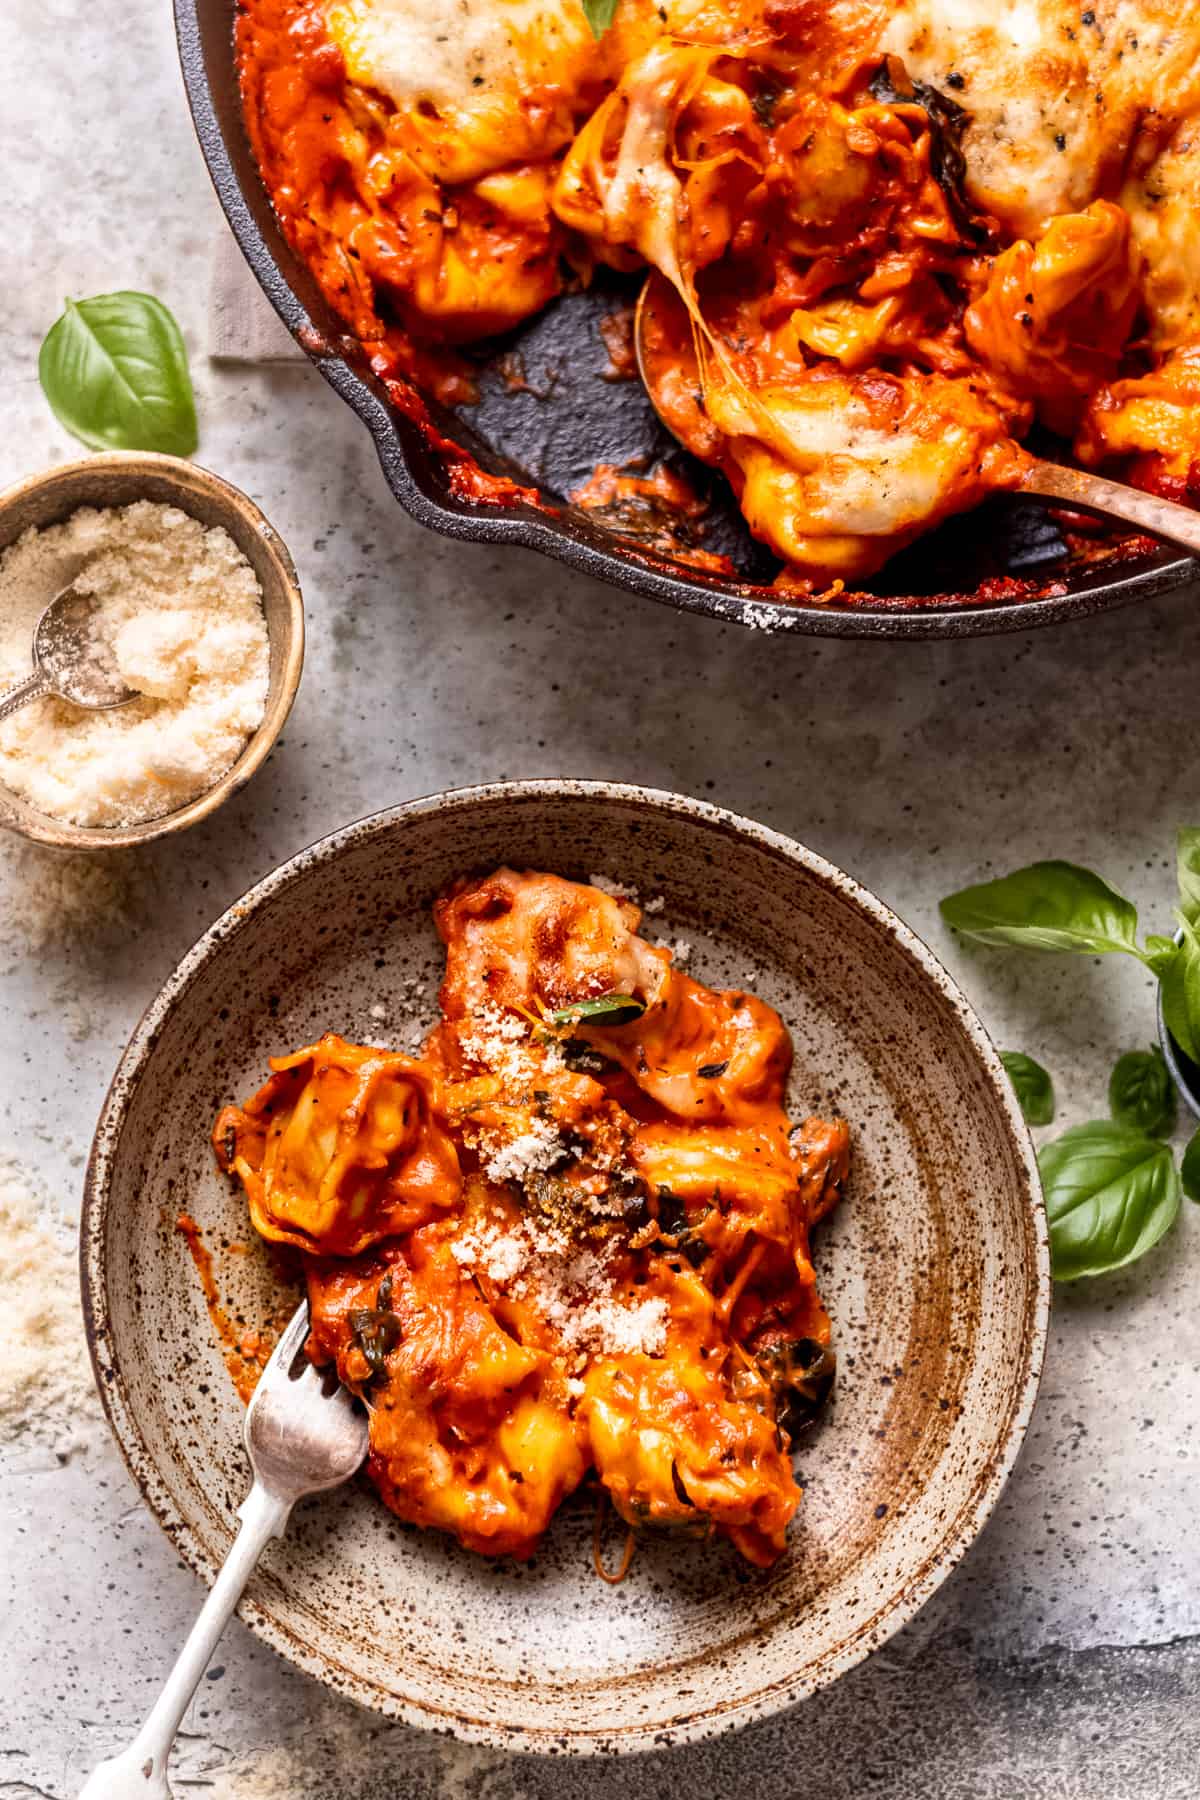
{"x":243,"y":326}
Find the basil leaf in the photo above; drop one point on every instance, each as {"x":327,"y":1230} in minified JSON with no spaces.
{"x":605,"y":1009}
{"x":1111,"y":1194}
{"x":1141,"y":1094}
{"x":1047,"y":906}
{"x":1035,"y":1090}
{"x":1158,"y":953}
{"x":1189,"y":1168}
{"x":115,"y":371}
{"x":893,"y":86}
{"x":599,"y":15}
{"x":1187,"y":861}
{"x":377,"y":1333}
{"x":1180,"y":980}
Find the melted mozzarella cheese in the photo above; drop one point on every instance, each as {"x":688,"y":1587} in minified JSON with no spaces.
{"x":1021,"y":70}
{"x":807,"y":427}
{"x":453,"y":52}
{"x":1055,"y":91}
{"x":1163,"y":206}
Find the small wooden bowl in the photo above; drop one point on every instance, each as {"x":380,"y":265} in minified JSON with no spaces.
{"x":117,"y":479}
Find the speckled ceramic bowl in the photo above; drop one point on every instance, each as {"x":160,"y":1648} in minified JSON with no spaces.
{"x":935,"y":1269}
{"x":118,"y":478}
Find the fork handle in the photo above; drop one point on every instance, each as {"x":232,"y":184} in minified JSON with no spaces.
{"x":1095,"y":493}
{"x":140,"y":1773}
{"x":25,"y":691}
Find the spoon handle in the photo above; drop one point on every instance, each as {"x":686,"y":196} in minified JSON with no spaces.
{"x":140,"y":1773}
{"x":1093,"y":493}
{"x":23,"y":693}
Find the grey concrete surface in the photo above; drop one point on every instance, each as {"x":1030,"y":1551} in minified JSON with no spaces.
{"x":1063,"y":1659}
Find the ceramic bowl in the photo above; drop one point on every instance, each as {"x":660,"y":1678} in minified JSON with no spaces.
{"x":117,"y":479}
{"x":935,"y":1270}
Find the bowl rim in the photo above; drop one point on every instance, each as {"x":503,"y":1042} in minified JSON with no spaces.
{"x":138,"y":1458}
{"x":189,"y":476}
{"x":402,"y":453}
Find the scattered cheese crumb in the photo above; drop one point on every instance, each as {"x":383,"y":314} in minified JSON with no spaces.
{"x":181,"y":611}
{"x":46,"y":1388}
{"x":655,"y":904}
{"x":680,"y":949}
{"x":379,"y":1012}
{"x":616,"y":890}
{"x":89,"y":900}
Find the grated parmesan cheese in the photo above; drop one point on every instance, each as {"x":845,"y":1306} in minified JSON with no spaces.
{"x":572,"y":1288}
{"x":537,"y":1148}
{"x":499,"y":1042}
{"x":181,"y":611}
{"x":539,"y":1258}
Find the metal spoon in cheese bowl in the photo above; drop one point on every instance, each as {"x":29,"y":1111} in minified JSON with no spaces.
{"x":304,"y":1433}
{"x":1076,"y":489}
{"x":71,"y":659}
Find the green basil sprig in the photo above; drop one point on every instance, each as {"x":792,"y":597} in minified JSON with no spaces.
{"x":1111,"y":1194}
{"x":1059,"y":906}
{"x":115,"y":371}
{"x":1141,"y":1094}
{"x":1048,"y":906}
{"x":1035,"y":1090}
{"x":1112,"y":1189}
{"x":605,"y":1009}
{"x":599,"y":15}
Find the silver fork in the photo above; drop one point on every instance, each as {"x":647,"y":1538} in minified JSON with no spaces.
{"x":303,"y":1434}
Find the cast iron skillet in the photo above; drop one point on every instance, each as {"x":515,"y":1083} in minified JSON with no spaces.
{"x":550,"y":427}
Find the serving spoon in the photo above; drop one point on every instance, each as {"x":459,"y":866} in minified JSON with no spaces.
{"x":70,"y":659}
{"x":304,"y":1434}
{"x":1043,"y":480}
